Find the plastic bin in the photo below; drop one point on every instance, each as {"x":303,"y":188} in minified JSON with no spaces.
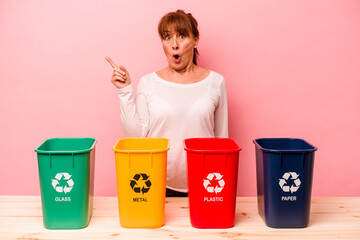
{"x":284,"y":169}
{"x":141,"y":181}
{"x":212,"y":179}
{"x":66,"y":171}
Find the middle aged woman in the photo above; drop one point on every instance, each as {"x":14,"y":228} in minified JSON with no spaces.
{"x":180,"y":101}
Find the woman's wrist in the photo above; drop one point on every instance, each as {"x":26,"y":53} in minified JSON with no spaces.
{"x":125,"y":89}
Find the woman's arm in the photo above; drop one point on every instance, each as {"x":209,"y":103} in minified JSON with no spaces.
{"x":133,"y":125}
{"x":129,"y":118}
{"x":134,"y":112}
{"x":221,"y":113}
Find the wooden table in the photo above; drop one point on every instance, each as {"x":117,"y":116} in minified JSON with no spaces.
{"x":331,"y":218}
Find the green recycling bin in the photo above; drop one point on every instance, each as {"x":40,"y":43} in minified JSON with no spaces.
{"x":66,"y":172}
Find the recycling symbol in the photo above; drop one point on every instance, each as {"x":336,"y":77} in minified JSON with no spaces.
{"x":295,"y":182}
{"x":140,"y":183}
{"x":62,"y":182}
{"x":214,"y":183}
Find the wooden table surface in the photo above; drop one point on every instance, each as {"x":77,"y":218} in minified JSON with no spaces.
{"x":331,"y":218}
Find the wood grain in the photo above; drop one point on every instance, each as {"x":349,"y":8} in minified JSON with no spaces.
{"x":331,"y":218}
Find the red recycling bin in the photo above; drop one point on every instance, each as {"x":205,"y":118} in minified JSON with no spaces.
{"x":212,"y":179}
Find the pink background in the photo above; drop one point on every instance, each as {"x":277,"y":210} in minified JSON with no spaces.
{"x":292,"y":70}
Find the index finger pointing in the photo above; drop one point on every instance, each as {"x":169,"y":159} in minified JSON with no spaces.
{"x":112,"y":63}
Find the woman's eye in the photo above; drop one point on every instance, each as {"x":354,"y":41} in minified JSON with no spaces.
{"x":167,"y":37}
{"x":182,"y":36}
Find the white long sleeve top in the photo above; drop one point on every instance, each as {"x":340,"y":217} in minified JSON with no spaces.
{"x":175,"y":111}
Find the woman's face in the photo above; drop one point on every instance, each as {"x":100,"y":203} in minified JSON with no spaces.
{"x":179,"y":49}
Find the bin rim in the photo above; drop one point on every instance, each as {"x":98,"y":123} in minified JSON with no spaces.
{"x":160,"y":150}
{"x":230,"y":150}
{"x":255,"y":141}
{"x":67,"y":151}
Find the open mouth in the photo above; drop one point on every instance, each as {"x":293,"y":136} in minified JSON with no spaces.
{"x":176,"y":57}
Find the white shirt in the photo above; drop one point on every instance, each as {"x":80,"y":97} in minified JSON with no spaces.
{"x":175,"y":111}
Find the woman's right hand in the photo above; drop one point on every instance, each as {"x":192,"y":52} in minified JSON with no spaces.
{"x":120,"y":77}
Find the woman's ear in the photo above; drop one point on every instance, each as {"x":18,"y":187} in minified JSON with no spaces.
{"x":196,"y":42}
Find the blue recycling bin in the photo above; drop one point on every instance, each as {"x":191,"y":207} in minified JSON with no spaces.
{"x":284,"y":171}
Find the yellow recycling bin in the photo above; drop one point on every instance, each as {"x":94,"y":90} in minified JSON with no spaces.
{"x":141,"y":181}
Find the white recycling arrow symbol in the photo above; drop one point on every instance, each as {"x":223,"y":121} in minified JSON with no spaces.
{"x":61,"y":177}
{"x":218,"y":187}
{"x":294,"y":178}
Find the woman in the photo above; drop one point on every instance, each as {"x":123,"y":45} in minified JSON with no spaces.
{"x":181,"y":101}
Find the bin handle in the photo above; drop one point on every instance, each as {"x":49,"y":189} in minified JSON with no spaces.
{"x":303,"y":160}
{"x":303,"y":157}
{"x":73,"y":159}
{"x":226,"y":159}
{"x":151,"y":159}
{"x":203,"y":158}
{"x":50,"y":160}
{"x":129,"y":159}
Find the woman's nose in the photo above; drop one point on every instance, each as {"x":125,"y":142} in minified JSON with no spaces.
{"x":175,"y":44}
